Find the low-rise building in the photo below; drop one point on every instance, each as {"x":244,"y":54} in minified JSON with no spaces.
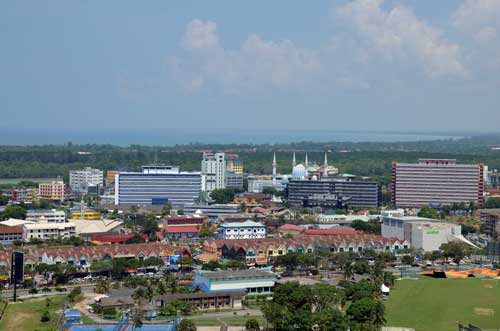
{"x":47,"y":215}
{"x":91,"y":215}
{"x":212,"y":211}
{"x":44,"y":230}
{"x":203,"y":300}
{"x":422,"y":233}
{"x":242,"y":230}
{"x":9,"y":234}
{"x":88,"y":228}
{"x":181,"y":231}
{"x":254,"y":282}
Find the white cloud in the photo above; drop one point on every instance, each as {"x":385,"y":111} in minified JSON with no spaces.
{"x":398,"y":35}
{"x":479,"y":18}
{"x":200,"y":35}
{"x":258,"y":63}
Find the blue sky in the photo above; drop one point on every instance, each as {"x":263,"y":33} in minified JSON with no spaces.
{"x":157,"y":65}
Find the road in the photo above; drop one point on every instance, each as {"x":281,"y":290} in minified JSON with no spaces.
{"x":24,"y":293}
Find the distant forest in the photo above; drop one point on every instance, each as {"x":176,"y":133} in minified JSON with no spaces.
{"x":363,"y":159}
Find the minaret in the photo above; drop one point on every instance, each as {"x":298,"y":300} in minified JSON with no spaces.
{"x":306,"y":163}
{"x":325,"y":166}
{"x":294,"y":162}
{"x":274,"y":168}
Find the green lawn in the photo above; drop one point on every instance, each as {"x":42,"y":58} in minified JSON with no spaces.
{"x":25,"y":316}
{"x":233,"y":320}
{"x":431,"y":304}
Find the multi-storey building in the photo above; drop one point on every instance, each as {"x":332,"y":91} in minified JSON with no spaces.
{"x":213,"y":170}
{"x":24,"y":195}
{"x":242,"y":230}
{"x":45,"y":231}
{"x":80,"y":180}
{"x":436,"y":183}
{"x":90,"y":215}
{"x":212,"y":211}
{"x":234,"y":163}
{"x":54,"y":191}
{"x":354,"y":193}
{"x":490,"y":221}
{"x":110,"y":177}
{"x":234,"y":180}
{"x":48,"y":215}
{"x":157,"y":185}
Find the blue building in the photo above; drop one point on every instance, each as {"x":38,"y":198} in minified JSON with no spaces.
{"x":253,"y":282}
{"x":156,"y":185}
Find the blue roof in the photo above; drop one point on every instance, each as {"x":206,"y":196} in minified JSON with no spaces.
{"x":72,"y":313}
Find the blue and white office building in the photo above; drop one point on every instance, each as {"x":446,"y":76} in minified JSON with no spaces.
{"x":156,"y":185}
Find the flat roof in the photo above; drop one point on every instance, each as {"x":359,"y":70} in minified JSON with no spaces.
{"x":236,"y":274}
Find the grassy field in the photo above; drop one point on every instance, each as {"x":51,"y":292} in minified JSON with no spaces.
{"x":431,"y":304}
{"x":235,"y":321}
{"x":25,"y":316}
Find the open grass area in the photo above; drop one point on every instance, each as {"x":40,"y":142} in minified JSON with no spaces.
{"x":431,"y":304}
{"x":25,"y":316}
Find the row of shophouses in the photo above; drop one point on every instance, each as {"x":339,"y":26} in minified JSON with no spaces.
{"x":83,"y":256}
{"x":262,"y":251}
{"x":252,"y":251}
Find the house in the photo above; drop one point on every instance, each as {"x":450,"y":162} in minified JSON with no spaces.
{"x":242,"y":230}
{"x":290,"y":229}
{"x":254,"y":282}
{"x":9,"y":234}
{"x":181,"y":231}
{"x":203,"y":300}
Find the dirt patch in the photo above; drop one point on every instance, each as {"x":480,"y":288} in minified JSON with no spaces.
{"x":484,"y":311}
{"x":15,"y":321}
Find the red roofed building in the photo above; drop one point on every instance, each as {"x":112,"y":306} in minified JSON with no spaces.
{"x":181,"y":231}
{"x":330,"y":232}
{"x":111,"y":238}
{"x":9,"y":234}
{"x":290,"y":228}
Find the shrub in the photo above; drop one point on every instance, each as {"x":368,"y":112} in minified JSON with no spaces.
{"x":45,"y":316}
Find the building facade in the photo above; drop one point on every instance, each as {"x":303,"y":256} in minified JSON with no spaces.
{"x":80,"y":180}
{"x":44,"y":231}
{"x":254,"y":282}
{"x":353,"y":193}
{"x":157,"y":185}
{"x":490,"y":221}
{"x":435,"y":182}
{"x":234,"y":163}
{"x":234,"y":180}
{"x":422,"y":233}
{"x":9,"y":234}
{"x":212,"y":211}
{"x":242,"y":230}
{"x":213,"y":170}
{"x":54,"y":191}
{"x":49,"y":215}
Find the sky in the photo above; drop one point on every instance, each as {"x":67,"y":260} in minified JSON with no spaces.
{"x":157,"y":65}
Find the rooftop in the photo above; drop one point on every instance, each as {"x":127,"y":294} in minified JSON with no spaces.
{"x":228,"y":274}
{"x":241,"y":224}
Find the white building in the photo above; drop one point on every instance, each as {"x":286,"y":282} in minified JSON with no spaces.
{"x":340,"y":219}
{"x":44,"y":231}
{"x":422,"y":233}
{"x":254,"y":282}
{"x":80,"y":180}
{"x":242,"y":230}
{"x":213,"y":171}
{"x":46,"y":215}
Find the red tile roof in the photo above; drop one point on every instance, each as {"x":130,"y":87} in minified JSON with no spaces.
{"x":291,"y":227}
{"x":328,"y":232}
{"x":112,"y":238}
{"x":181,"y":229}
{"x":11,"y":229}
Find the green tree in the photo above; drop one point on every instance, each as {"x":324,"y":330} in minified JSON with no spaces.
{"x":167,"y":207}
{"x":45,"y":316}
{"x":150,"y":225}
{"x":455,"y":250}
{"x":408,"y":259}
{"x":252,"y":325}
{"x":427,"y":212}
{"x":136,"y":239}
{"x":186,"y":325}
{"x":223,"y":195}
{"x":102,"y":286}
{"x":17,"y":212}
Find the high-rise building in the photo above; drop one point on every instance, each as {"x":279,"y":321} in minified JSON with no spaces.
{"x":362,"y":194}
{"x":213,"y":170}
{"x":80,"y":180}
{"x":234,"y":163}
{"x":436,"y":182}
{"x":52,"y":191}
{"x":157,"y":185}
{"x":234,"y":180}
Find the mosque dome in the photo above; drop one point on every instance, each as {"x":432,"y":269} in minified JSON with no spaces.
{"x":299,"y":171}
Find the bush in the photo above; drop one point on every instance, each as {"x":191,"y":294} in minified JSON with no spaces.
{"x":33,"y":290}
{"x":45,"y":316}
{"x":46,"y":289}
{"x":109,"y":311}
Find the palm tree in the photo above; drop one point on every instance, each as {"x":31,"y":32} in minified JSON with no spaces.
{"x":162,"y":288}
{"x":347,"y":269}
